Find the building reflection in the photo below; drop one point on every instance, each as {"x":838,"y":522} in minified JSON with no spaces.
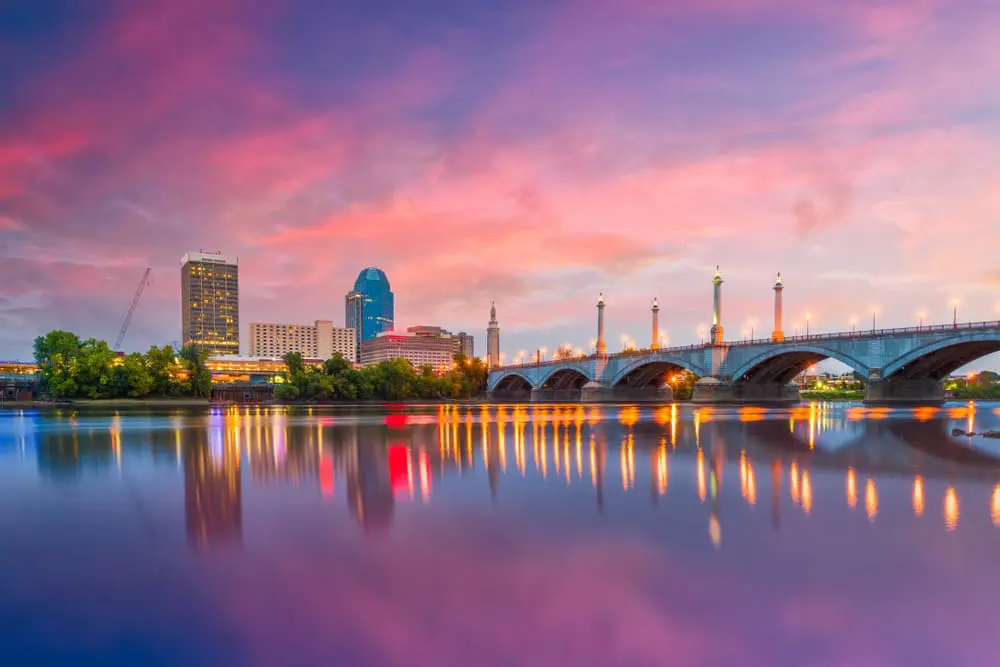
{"x":375,"y":464}
{"x":213,"y":492}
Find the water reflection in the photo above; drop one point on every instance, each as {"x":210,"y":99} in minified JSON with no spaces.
{"x":407,"y":456}
{"x":364,"y":524}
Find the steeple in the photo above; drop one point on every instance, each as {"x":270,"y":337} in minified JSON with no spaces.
{"x":493,"y":339}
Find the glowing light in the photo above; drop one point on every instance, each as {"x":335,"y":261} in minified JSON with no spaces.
{"x":700,"y":475}
{"x":852,"y":489}
{"x":871,"y":499}
{"x":995,"y":505}
{"x":918,"y":496}
{"x":951,"y":509}
{"x":715,"y":531}
{"x":807,"y":495}
{"x":661,"y":469}
{"x":793,"y":482}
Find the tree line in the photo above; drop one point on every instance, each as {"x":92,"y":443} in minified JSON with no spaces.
{"x":72,"y":368}
{"x":394,"y":380}
{"x":69,"y":367}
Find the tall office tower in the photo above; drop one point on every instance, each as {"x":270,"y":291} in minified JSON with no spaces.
{"x":210,"y":302}
{"x":369,"y":306}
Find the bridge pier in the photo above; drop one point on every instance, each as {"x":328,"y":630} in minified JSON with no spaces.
{"x":594,"y":392}
{"x":509,"y":395}
{"x":897,"y":391}
{"x":714,"y":390}
{"x":555,"y":395}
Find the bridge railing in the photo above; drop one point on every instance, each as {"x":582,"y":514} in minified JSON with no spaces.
{"x":856,"y":333}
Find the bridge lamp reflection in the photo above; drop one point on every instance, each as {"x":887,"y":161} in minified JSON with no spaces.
{"x":951,"y":510}
{"x":995,"y":505}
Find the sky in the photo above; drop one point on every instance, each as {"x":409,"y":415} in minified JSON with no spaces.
{"x":532,"y":153}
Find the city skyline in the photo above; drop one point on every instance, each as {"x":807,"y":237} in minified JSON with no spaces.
{"x":626,"y":150}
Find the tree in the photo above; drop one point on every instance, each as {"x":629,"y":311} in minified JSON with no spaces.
{"x":132,"y":377}
{"x":56,"y":354}
{"x":286,"y":392}
{"x":164,"y":370}
{"x":393,"y":380}
{"x":199,"y":377}
{"x":987,"y":379}
{"x":337,"y":365}
{"x":94,"y":372}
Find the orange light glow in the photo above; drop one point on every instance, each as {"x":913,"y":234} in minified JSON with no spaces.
{"x":871,"y":499}
{"x":918,"y":496}
{"x":995,"y":505}
{"x":806,"y":492}
{"x":951,"y":509}
{"x":700,"y":475}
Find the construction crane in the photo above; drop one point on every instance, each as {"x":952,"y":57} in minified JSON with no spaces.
{"x":131,"y":308}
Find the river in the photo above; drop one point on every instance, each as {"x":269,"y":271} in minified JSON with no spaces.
{"x":826,"y":535}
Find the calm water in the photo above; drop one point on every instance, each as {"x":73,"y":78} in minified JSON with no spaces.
{"x":822,"y":536}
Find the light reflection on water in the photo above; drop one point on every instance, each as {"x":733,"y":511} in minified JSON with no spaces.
{"x":755,"y":506}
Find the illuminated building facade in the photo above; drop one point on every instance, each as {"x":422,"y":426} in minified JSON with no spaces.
{"x":317,"y":341}
{"x":210,"y":308}
{"x":370,"y":306}
{"x":421,"y":346}
{"x":234,"y":368}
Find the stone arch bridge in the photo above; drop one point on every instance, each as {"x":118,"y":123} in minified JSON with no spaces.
{"x":900,"y":365}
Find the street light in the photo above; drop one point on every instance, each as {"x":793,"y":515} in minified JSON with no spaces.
{"x":954,"y":316}
{"x":920,"y":314}
{"x":874,"y":313}
{"x":854,"y":323}
{"x":808,"y":317}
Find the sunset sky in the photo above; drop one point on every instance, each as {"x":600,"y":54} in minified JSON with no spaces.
{"x":529,"y":152}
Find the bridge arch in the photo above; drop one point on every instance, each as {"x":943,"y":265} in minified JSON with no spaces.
{"x":782,"y":363}
{"x":510,"y":380}
{"x":939,"y":359}
{"x":643,"y":371}
{"x":565,"y":377}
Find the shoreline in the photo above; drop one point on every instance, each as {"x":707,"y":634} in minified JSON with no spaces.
{"x":162,"y":403}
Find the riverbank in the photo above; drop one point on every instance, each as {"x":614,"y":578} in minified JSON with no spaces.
{"x":107,"y":403}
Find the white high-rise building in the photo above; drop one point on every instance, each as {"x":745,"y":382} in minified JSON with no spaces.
{"x":321,"y":340}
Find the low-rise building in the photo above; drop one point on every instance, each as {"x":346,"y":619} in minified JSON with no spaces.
{"x":320,"y":340}
{"x":235,"y":368}
{"x":421,"y":346}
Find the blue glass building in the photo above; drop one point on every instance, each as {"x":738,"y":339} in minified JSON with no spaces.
{"x":370,"y":305}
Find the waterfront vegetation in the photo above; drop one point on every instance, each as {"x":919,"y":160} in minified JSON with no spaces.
{"x":71,"y":368}
{"x":338,"y":380}
{"x":833,"y":394}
